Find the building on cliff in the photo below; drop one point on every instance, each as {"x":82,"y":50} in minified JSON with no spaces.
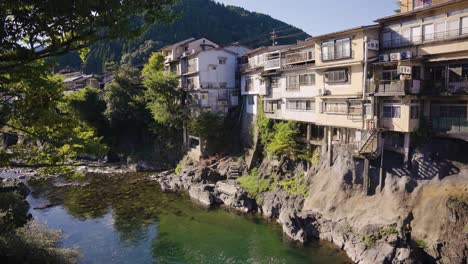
{"x":208,"y":73}
{"x":372,"y":86}
{"x":421,"y":78}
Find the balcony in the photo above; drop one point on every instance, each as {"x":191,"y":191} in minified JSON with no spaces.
{"x":272,"y":64}
{"x":396,"y":87}
{"x":426,"y":38}
{"x":300,"y":57}
{"x":450,"y":125}
{"x":441,"y":88}
{"x":337,"y":55}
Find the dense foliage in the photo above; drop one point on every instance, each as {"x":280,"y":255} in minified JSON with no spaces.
{"x":196,"y":18}
{"x":39,"y":29}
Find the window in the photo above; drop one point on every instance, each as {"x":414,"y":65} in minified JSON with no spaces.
{"x":307,"y":79}
{"x":453,"y":28}
{"x":387,"y":39}
{"x":300,"y":105}
{"x":336,"y":49}
{"x":464,"y":25}
{"x":250,"y":100}
{"x":223,"y":85}
{"x":421,"y":3}
{"x":222,"y":61}
{"x":428,"y":32}
{"x":389,"y":74}
{"x":293,"y":82}
{"x":336,"y":76}
{"x":248,"y":84}
{"x":262,"y":81}
{"x":390,"y":111}
{"x":458,"y":72}
{"x":439,"y":30}
{"x":336,"y":107}
{"x":274,"y":82}
{"x":414,"y":111}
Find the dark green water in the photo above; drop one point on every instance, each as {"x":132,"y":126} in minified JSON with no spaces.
{"x":126,"y":219}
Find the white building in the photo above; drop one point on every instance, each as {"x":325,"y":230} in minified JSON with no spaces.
{"x":207,"y":72}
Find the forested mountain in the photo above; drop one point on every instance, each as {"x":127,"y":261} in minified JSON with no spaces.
{"x":196,"y":18}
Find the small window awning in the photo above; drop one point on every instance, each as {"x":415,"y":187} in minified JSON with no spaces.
{"x":348,"y":96}
{"x":271,"y":99}
{"x":337,"y":65}
{"x":300,"y":98}
{"x":448,"y":58}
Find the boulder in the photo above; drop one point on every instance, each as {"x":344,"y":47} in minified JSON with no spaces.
{"x":201,"y":194}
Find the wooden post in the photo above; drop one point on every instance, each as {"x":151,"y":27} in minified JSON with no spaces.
{"x":365,"y":182}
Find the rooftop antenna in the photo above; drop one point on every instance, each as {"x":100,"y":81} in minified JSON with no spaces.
{"x":273,"y":38}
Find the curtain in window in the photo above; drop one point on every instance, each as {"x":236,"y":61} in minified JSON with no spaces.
{"x":453,"y":28}
{"x":464,"y":25}
{"x":428,"y":32}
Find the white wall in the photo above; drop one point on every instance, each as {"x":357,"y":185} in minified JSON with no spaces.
{"x":251,"y":109}
{"x":223,"y":73}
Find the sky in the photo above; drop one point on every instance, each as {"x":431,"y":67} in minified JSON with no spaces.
{"x":318,"y":17}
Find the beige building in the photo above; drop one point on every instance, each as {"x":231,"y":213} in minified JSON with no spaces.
{"x":421,"y":78}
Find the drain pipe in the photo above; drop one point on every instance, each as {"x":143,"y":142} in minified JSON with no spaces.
{"x":364,"y":80}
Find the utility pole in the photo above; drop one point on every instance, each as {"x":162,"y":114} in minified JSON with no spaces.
{"x":273,"y":37}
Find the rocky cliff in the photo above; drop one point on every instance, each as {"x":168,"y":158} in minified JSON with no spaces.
{"x":370,"y":228}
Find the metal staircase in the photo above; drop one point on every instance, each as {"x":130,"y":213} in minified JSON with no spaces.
{"x":370,"y":147}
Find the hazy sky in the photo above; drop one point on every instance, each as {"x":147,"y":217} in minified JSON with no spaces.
{"x":317,"y":17}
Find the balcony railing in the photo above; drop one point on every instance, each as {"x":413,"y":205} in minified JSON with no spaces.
{"x":426,"y":38}
{"x":272,"y":64}
{"x":300,"y":57}
{"x":440,"y":88}
{"x":449,"y":124}
{"x":395,"y":87}
{"x":337,"y":55}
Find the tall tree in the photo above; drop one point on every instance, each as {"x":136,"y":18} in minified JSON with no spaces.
{"x":39,"y":29}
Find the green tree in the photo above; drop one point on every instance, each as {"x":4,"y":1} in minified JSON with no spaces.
{"x":164,"y":99}
{"x":40,"y":29}
{"x":49,"y":136}
{"x":284,"y":140}
{"x":210,"y":127}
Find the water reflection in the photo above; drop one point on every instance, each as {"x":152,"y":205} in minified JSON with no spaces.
{"x":127,"y":219}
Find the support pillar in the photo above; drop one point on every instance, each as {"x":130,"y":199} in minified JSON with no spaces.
{"x":406,"y":146}
{"x":309,"y":133}
{"x":381,"y":172}
{"x":366,"y":181}
{"x":329,"y":146}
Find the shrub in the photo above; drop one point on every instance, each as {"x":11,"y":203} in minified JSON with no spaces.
{"x":370,"y":240}
{"x":295,"y":186}
{"x":253,"y":184}
{"x":284,"y":140}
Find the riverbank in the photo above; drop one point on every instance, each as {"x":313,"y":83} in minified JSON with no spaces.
{"x":369,"y":228}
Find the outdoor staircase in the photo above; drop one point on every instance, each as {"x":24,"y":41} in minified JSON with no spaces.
{"x":233,"y":171}
{"x":371,"y":144}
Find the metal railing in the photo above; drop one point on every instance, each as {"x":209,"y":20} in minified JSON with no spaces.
{"x":272,"y":64}
{"x":337,"y":55}
{"x":392,"y":87}
{"x":426,"y":38}
{"x":299,"y":57}
{"x":449,"y":124}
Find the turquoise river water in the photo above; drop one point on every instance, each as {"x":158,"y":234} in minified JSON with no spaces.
{"x":127,"y":219}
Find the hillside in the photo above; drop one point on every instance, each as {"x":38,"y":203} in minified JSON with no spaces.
{"x":197,"y":18}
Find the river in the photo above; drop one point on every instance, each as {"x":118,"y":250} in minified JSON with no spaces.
{"x":127,"y":219}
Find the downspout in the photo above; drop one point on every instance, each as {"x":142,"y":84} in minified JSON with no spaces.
{"x":364,"y":80}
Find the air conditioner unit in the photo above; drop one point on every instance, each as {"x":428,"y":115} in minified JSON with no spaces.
{"x":395,"y":56}
{"x":406,"y":55}
{"x":383,"y":58}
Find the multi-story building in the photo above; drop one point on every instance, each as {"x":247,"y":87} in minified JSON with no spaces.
{"x":208,"y":73}
{"x":421,"y":78}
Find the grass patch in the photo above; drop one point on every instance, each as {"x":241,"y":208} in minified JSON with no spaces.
{"x":390,"y":230}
